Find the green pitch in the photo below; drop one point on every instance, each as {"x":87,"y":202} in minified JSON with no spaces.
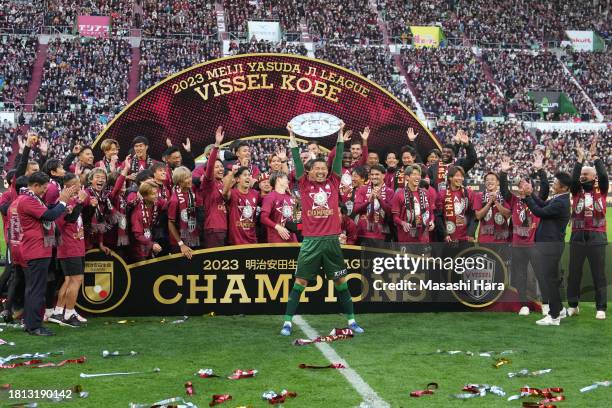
{"x":386,"y":357}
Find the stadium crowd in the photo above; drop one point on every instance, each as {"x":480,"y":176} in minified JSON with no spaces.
{"x":451,"y":81}
{"x":518,"y":72}
{"x":84,"y":85}
{"x":508,"y":24}
{"x":592,"y":70}
{"x":17,"y":55}
{"x":160,"y":59}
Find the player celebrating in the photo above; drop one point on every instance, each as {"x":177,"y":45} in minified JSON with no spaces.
{"x":589,"y":191}
{"x":321,"y":229}
{"x":413,"y":209}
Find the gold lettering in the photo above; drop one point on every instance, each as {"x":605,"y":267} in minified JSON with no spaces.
{"x":265,"y":285}
{"x":264,"y":82}
{"x":320,"y":89}
{"x":235,"y":286}
{"x":194,"y":288}
{"x":177,"y":279}
{"x":287,"y":79}
{"x":203,"y":95}
{"x":301,"y":81}
{"x":364,"y":286}
{"x":226,"y":86}
{"x":312,"y":71}
{"x":331,"y":95}
{"x":239,"y":84}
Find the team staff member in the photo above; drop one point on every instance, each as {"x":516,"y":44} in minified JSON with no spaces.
{"x":554,"y":217}
{"x":36,"y":221}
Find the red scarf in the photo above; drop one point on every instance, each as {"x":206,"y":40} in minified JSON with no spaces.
{"x":48,"y":227}
{"x":499,"y":227}
{"x":589,"y":209}
{"x":104,"y":209}
{"x":187,"y":217}
{"x":441,"y":176}
{"x":149,"y":217}
{"x":135,"y":165}
{"x":416,"y":220}
{"x":376,"y":215}
{"x":119,"y":217}
{"x":450,"y":215}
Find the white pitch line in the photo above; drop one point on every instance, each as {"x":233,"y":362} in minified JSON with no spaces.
{"x":370,"y":397}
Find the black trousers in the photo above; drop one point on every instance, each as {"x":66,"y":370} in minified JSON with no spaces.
{"x":522,"y":256}
{"x":36,"y":283}
{"x":596,"y":255}
{"x":8,"y":272}
{"x":549,"y":279}
{"x":16,"y":289}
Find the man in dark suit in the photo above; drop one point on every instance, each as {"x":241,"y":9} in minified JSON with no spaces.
{"x":550,"y":237}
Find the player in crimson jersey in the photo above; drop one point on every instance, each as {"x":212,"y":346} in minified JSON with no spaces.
{"x":319,"y":191}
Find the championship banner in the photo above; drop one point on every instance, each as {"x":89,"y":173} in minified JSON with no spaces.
{"x":257,"y":95}
{"x":94,"y":26}
{"x":264,"y":30}
{"x":425,"y":36}
{"x":585,"y":40}
{"x":257,"y":279}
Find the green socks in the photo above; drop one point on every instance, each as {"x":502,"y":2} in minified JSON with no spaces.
{"x":345,"y":300}
{"x":294,"y":301}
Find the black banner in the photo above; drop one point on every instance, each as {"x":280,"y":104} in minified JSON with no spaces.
{"x":257,"y":279}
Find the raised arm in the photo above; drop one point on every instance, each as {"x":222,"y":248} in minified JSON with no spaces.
{"x":295,"y":153}
{"x":337,"y":164}
{"x":600,"y":168}
{"x":544,"y":186}
{"x":228,"y":182}
{"x":470,"y":159}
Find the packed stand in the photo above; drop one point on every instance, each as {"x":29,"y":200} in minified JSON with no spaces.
{"x":84,"y":85}
{"x":239,"y":12}
{"x":375,"y":63}
{"x":64,"y":13}
{"x":510,"y":24}
{"x":17,"y":56}
{"x":399,"y":15}
{"x":21,"y":17}
{"x":592,"y":70}
{"x":350,"y":22}
{"x":451,"y":81}
{"x":518,"y":72}
{"x":165,"y":18}
{"x":159,"y":59}
{"x":7,"y":136}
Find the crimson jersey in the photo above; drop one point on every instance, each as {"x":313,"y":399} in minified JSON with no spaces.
{"x":320,"y":206}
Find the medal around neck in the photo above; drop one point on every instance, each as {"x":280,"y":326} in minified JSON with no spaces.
{"x":315,"y":125}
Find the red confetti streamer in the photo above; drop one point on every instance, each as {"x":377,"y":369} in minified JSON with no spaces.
{"x":219,"y":399}
{"x":280,"y":398}
{"x":336,"y":334}
{"x":431,"y":387}
{"x":238,"y":374}
{"x":332,"y":365}
{"x":38,"y":363}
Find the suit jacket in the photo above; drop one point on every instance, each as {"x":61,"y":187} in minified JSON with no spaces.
{"x":554,"y":216}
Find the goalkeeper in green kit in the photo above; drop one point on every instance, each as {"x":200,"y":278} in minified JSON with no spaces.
{"x":319,"y":192}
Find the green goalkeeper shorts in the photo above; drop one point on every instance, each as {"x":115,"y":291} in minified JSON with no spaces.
{"x":317,"y":252}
